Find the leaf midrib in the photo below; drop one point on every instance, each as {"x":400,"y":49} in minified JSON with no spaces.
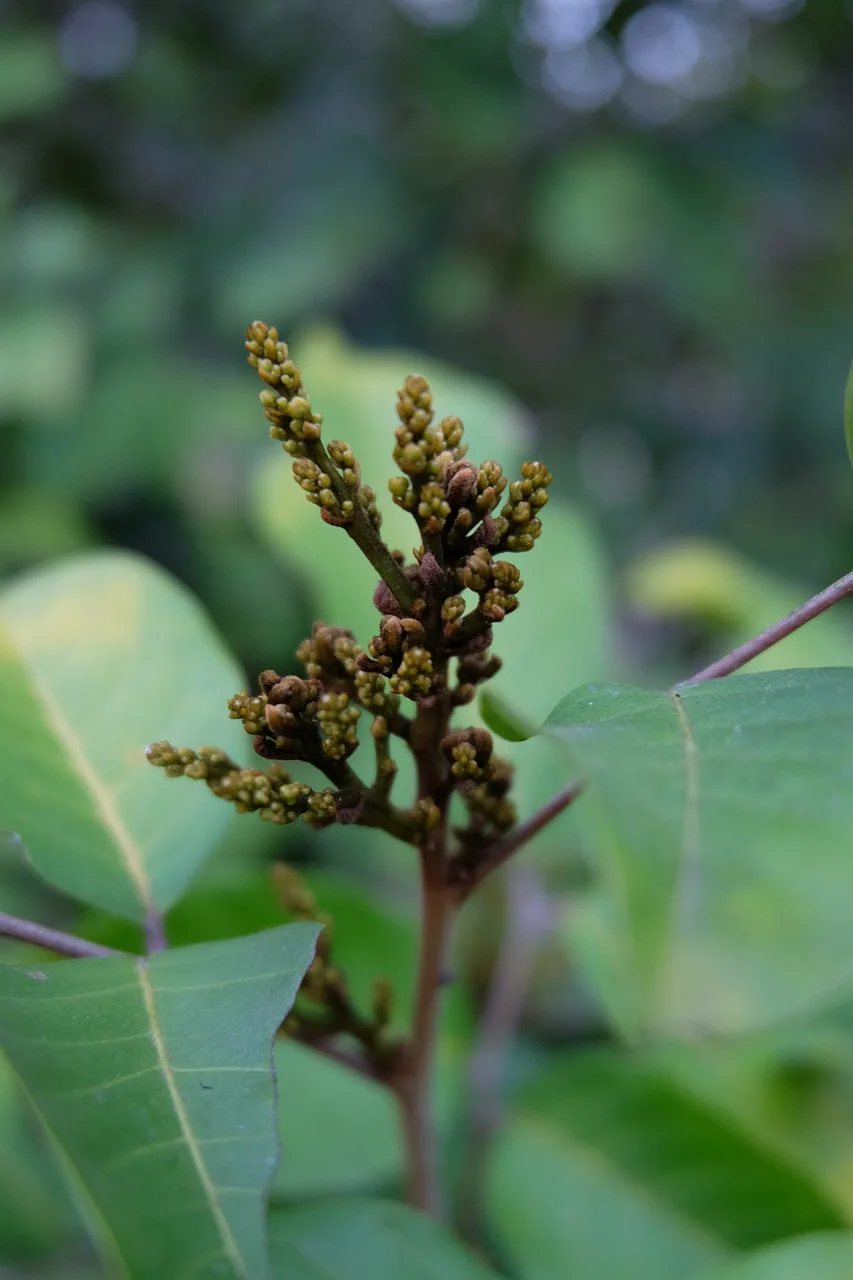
{"x":157,"y":1039}
{"x":128,"y":851}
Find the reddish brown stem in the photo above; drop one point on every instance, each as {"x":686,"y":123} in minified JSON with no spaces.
{"x":414,"y":1087}
{"x":772,"y":635}
{"x":414,"y":1080}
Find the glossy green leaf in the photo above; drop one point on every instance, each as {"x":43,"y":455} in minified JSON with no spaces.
{"x":362,"y":1239}
{"x":502,"y":719}
{"x":718,"y":818}
{"x":98,"y":657}
{"x":611,"y":1170}
{"x":828,"y":1256}
{"x":155,"y":1078}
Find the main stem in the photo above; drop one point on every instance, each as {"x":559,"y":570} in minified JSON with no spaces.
{"x":415,"y":1080}
{"x":416,"y":1086}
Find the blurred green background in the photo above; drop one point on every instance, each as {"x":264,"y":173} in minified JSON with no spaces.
{"x":616,"y":236}
{"x":634,"y":218}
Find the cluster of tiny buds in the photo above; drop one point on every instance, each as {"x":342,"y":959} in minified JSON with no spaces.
{"x":527,"y":497}
{"x":338,"y":720}
{"x":332,"y":656}
{"x":489,"y":798}
{"x":297,"y":426}
{"x":286,"y":406}
{"x":399,"y":651}
{"x":324,"y":985}
{"x":414,"y":675}
{"x":469,"y":752}
{"x":291,"y":715}
{"x":496,"y":582}
{"x":273,"y":795}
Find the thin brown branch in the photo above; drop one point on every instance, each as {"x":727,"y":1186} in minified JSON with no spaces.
{"x":64,"y":944}
{"x":363,"y":533}
{"x":468,"y":877}
{"x":772,"y":635}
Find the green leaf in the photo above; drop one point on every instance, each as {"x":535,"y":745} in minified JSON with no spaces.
{"x":98,"y":657}
{"x":848,"y":412}
{"x":791,"y":1087}
{"x":361,"y":1239}
{"x":155,"y":1077}
{"x":718,"y":817}
{"x":503,"y":719}
{"x":35,"y":1214}
{"x":339,"y":1131}
{"x":611,"y":1170}
{"x":828,"y":1256}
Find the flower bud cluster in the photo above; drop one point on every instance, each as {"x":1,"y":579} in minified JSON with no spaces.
{"x":285,"y":401}
{"x":399,"y":652}
{"x":424,"y":451}
{"x":330,"y":655}
{"x":274,"y":795}
{"x":292,"y":718}
{"x":414,"y":675}
{"x":294,"y":422}
{"x":469,"y":752}
{"x":489,"y":802}
{"x":520,"y":524}
{"x":325,"y":988}
{"x":496,"y":582}
{"x":338,"y":720}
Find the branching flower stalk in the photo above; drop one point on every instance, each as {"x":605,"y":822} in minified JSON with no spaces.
{"x":431,"y":652}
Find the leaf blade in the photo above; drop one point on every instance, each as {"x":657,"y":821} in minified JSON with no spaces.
{"x":82,"y":677}
{"x":610,"y":1168}
{"x":700,"y":808}
{"x":187,"y":1111}
{"x":366,"y":1239}
{"x":822,"y":1256}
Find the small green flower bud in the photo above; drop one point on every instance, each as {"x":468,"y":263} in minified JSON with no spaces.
{"x":413,"y":677}
{"x":412,"y":459}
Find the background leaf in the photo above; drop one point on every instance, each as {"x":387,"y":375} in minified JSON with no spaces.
{"x":98,"y":657}
{"x":732,"y":600}
{"x":828,"y":1256}
{"x":609,"y":1169}
{"x":361,"y":1239}
{"x":155,"y":1077}
{"x":702,"y":808}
